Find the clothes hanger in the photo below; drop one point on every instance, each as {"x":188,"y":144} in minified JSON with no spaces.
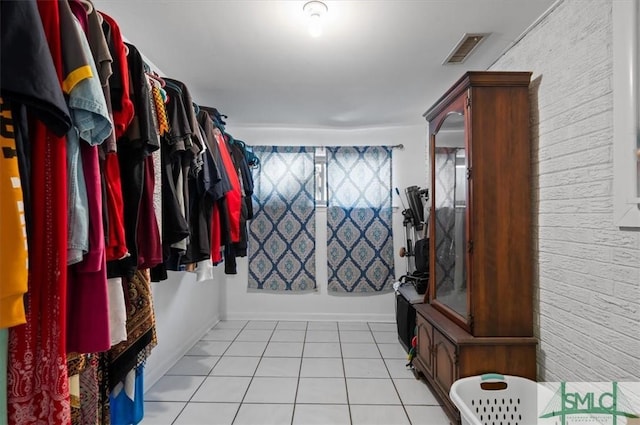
{"x":214,"y":114}
{"x":88,"y":6}
{"x":156,"y":77}
{"x":155,"y":80}
{"x":156,"y":83}
{"x":151,"y":73}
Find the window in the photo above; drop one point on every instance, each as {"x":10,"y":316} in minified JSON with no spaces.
{"x":320,"y":161}
{"x":626,"y":114}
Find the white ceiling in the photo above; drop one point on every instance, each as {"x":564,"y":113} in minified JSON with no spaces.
{"x":378,"y":63}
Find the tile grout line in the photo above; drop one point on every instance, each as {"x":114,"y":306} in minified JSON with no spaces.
{"x":404,"y":408}
{"x":208,"y":374}
{"x":344,"y":371}
{"x":254,"y":372}
{"x":391,"y":378}
{"x":295,"y":397}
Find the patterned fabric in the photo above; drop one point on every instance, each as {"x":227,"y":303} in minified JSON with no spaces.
{"x":4,"y":336}
{"x":282,"y":232}
{"x":104,"y":389}
{"x":445,"y":165}
{"x":75,"y":364}
{"x":89,"y":406}
{"x":38,"y":387}
{"x":141,"y":329}
{"x":160,"y":110}
{"x":359,"y":227}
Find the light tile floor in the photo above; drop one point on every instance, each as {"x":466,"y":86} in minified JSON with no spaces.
{"x":293,"y":373}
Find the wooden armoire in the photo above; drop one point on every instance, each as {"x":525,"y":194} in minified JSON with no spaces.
{"x":478,"y":312}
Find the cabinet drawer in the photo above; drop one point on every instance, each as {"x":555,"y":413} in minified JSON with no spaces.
{"x":445,"y":368}
{"x":425,"y":344}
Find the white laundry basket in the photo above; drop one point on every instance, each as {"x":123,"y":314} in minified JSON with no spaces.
{"x":494,"y":399}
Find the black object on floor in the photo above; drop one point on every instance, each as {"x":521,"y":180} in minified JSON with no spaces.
{"x":406,"y":296}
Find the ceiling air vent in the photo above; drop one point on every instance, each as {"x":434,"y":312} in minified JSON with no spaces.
{"x":464,"y":48}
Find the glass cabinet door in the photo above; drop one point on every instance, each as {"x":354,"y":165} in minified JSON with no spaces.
{"x":450,"y":202}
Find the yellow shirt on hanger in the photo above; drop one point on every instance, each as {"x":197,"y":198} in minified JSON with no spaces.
{"x":13,"y":231}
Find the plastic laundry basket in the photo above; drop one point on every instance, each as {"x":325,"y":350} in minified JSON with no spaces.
{"x":494,"y":399}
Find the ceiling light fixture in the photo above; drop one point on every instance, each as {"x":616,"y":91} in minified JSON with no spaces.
{"x":314,"y":10}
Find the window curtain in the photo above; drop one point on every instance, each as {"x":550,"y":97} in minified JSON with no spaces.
{"x":282,"y":233}
{"x":359,"y":227}
{"x":445,"y":217}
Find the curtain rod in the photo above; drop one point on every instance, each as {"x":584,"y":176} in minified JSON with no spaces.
{"x":398,"y":146}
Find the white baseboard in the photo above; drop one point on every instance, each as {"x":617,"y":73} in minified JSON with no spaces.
{"x":170,"y":357}
{"x":310,"y":317}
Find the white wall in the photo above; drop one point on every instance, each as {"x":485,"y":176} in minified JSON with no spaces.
{"x":408,"y":169}
{"x":588,"y":282}
{"x":185,"y":310}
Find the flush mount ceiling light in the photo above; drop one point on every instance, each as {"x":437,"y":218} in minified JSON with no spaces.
{"x":314,"y":10}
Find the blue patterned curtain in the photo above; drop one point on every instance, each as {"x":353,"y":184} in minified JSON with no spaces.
{"x":359,"y":227}
{"x":445,"y":220}
{"x":282,"y":232}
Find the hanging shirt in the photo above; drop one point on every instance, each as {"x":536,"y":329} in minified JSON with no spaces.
{"x":141,"y":133}
{"x":142,"y":140}
{"x":99,"y":47}
{"x":150,"y":246}
{"x":246,"y":184}
{"x":234,"y":197}
{"x":134,"y":147}
{"x":116,"y":247}
{"x":13,"y":232}
{"x":88,"y":304}
{"x":90,"y":120}
{"x":80,"y":13}
{"x":119,"y":81}
{"x":240,"y":157}
{"x":182,"y":167}
{"x":216,"y":184}
{"x":117,"y":311}
{"x":116,"y":244}
{"x":27,"y":77}
{"x":201,"y":208}
{"x":196,"y":139}
{"x":38,"y":389}
{"x":174,"y":223}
